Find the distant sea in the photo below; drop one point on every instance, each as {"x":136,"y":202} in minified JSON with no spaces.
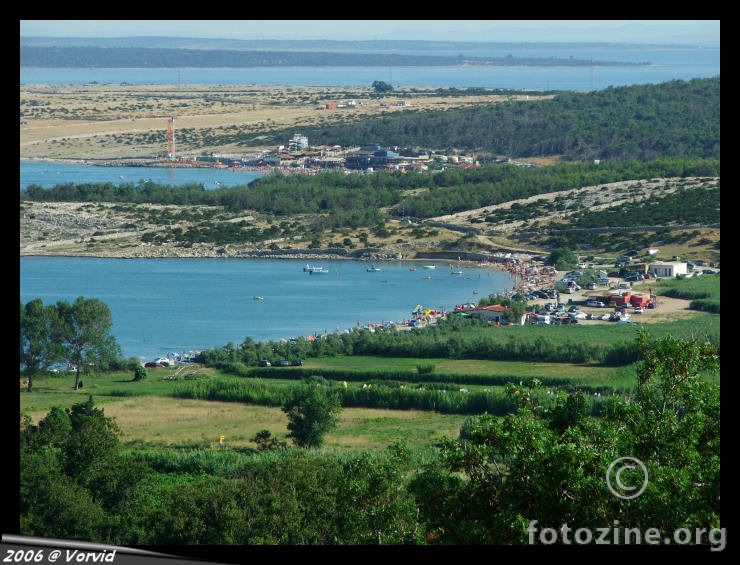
{"x":662,"y":64}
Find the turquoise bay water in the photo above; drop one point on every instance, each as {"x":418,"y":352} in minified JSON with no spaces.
{"x":48,"y":174}
{"x":164,"y":305}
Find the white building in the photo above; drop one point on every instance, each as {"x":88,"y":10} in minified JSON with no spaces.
{"x":298,"y":142}
{"x":668,"y":269}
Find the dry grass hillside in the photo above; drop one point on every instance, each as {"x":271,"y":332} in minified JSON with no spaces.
{"x":103,"y":122}
{"x":130,"y":121}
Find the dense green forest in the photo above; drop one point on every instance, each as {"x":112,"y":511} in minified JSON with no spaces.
{"x":644,"y":122}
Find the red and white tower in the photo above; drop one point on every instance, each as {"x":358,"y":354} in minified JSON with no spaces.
{"x":171,"y":138}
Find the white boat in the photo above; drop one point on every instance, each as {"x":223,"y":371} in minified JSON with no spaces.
{"x":311,"y":268}
{"x":430,"y":266}
{"x":373,"y":269}
{"x":456,"y":272}
{"x":319,"y":271}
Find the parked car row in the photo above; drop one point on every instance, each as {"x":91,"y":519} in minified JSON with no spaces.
{"x":161,"y":362}
{"x":617,"y":316}
{"x":281,"y":363}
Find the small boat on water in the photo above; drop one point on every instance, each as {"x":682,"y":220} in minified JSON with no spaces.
{"x":426,"y":277}
{"x":259,"y":297}
{"x":456,"y":272}
{"x":430,"y":266}
{"x":373,"y":269}
{"x":315,"y":269}
{"x":412,"y":268}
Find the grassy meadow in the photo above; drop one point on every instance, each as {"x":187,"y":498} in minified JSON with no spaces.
{"x":148,"y":416}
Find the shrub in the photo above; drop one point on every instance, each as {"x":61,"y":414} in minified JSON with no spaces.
{"x":140,"y":373}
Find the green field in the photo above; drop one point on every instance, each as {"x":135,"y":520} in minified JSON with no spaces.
{"x":148,"y":416}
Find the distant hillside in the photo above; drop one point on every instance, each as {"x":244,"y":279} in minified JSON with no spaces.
{"x":450,"y":48}
{"x":161,"y":52}
{"x":644,"y":122}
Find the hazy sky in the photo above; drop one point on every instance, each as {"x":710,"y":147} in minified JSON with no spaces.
{"x":649,"y":31}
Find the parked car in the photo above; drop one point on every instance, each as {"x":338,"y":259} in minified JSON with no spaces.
{"x":265,"y":363}
{"x":593,"y":303}
{"x":297,"y":363}
{"x":283,"y":363}
{"x":639,"y":309}
{"x":709,"y":272}
{"x":577,"y":316}
{"x":634,"y":277}
{"x":592,"y":286}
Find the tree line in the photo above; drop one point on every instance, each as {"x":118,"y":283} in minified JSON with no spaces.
{"x":351,"y":201}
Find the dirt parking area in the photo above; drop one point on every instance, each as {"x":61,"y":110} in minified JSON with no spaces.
{"x":667,"y":310}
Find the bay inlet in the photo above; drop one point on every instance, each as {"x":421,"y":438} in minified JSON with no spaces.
{"x":174,"y":305}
